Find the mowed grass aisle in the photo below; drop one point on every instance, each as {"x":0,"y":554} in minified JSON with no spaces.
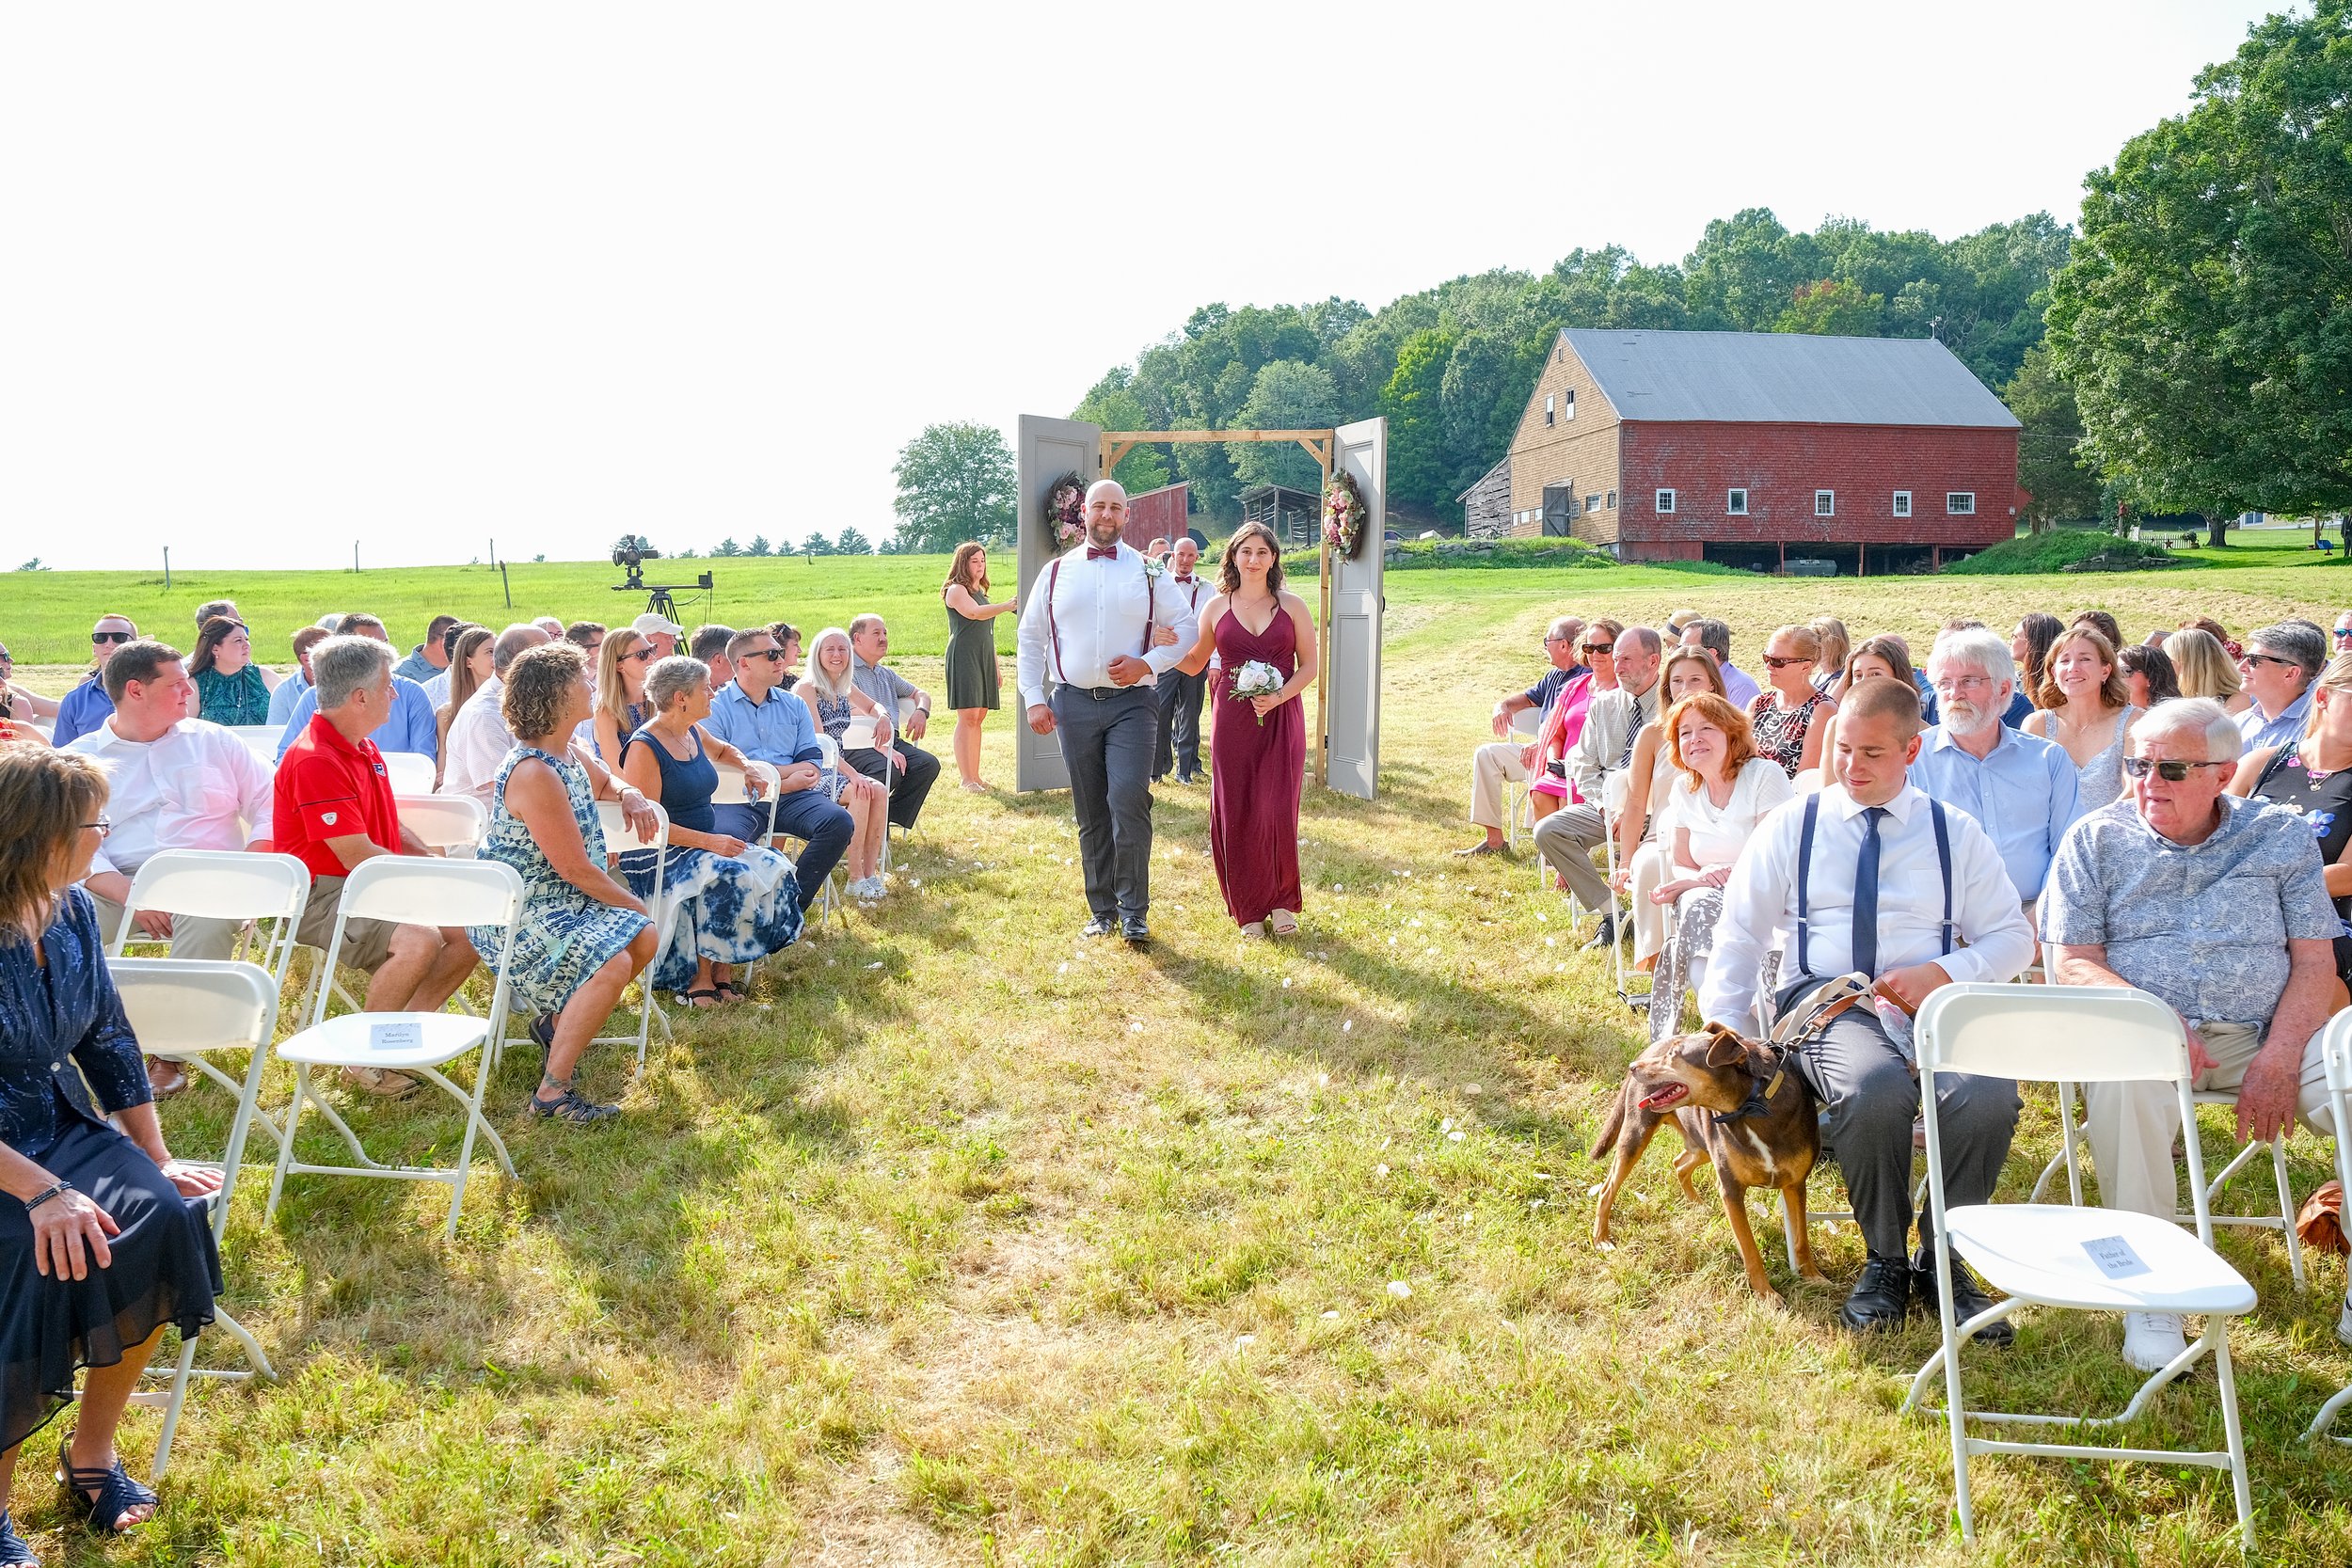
{"x":975,"y":1244}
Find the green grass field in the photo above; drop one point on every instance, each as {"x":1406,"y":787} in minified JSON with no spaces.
{"x":971,"y":1243}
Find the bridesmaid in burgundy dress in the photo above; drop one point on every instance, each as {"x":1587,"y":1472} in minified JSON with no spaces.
{"x":1258,"y":748}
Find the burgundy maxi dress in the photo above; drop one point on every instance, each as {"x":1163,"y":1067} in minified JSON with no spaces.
{"x":1255,"y":776}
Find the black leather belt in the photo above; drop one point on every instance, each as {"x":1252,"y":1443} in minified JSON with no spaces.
{"x":1105,"y":693}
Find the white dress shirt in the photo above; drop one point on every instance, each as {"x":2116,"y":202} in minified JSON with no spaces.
{"x":437,"y":690}
{"x":197,"y":787}
{"x":1760,"y":901}
{"x":477,"y":745}
{"x":1089,"y":613}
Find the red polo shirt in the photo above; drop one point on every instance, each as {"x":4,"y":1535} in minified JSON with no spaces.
{"x":326,"y":788}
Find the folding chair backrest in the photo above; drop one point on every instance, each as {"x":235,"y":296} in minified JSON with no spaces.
{"x":620,"y":838}
{"x":412,"y":890}
{"x":2335,"y":1049}
{"x":186,"y":1004}
{"x":2051,"y":1034}
{"x":905,"y":709}
{"x":829,"y":753}
{"x":444,"y":821}
{"x":1528,"y":721}
{"x":411,"y":772}
{"x":730,"y":791}
{"x":859,"y":735}
{"x":218,"y":884}
{"x":259,"y":739}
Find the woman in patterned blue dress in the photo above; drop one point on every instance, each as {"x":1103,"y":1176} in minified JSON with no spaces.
{"x":582,"y":936}
{"x":106,"y":1240}
{"x":732,"y":902}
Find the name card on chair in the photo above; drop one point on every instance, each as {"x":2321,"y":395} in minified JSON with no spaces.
{"x":404,"y":1036}
{"x":2115,"y":1257}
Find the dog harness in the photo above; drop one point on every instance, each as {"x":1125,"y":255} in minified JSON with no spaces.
{"x":1805,"y":871}
{"x":1760,"y":1090}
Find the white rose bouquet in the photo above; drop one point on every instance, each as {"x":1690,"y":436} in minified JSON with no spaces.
{"x":1257,"y":678}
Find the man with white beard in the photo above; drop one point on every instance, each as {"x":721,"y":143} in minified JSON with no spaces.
{"x":2022,"y":790}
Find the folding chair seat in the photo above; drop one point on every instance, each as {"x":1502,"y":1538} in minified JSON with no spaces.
{"x":859,"y":737}
{"x":411,"y":891}
{"x":266,"y":890}
{"x":185,"y":1008}
{"x":453,"y":824}
{"x":2060,"y":1255}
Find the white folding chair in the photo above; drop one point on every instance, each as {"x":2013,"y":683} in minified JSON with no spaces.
{"x":620,"y":837}
{"x":1527,"y":722}
{"x":2281,"y":1219}
{"x":411,"y":772}
{"x":262,"y":740}
{"x":453,"y":824}
{"x":829,"y":899}
{"x":859,"y":737}
{"x":732,"y":792}
{"x":184,"y":1009}
{"x":409,"y":890}
{"x":1620,"y":910}
{"x":2335,"y":1047}
{"x":2059,"y":1254}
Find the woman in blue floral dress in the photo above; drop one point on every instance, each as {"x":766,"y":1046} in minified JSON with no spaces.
{"x":733,"y":902}
{"x":582,"y":937}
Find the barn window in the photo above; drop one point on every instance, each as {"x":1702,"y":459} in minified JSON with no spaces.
{"x":1548,"y":410}
{"x":1569,"y":412}
{"x":1903,"y":503}
{"x":1825,"y":504}
{"x":1736,"y":502}
{"x":1612,"y":500}
{"x":1591,"y":504}
{"x":1960,"y":503}
{"x":1665,"y":503}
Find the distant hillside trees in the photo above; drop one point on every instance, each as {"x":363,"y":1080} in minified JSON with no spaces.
{"x":955,"y":482}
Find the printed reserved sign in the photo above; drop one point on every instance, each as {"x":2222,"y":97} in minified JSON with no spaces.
{"x":404,"y":1035}
{"x":2115,"y":1257}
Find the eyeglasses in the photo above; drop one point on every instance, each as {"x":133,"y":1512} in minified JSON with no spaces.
{"x":1963,"y":682}
{"x":2251,"y":660}
{"x":2167,"y":770}
{"x":1599,"y":647}
{"x":112,"y":636}
{"x":103,"y":826}
{"x":1771,"y":663}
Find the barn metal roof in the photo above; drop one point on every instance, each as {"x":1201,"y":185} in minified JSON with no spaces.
{"x":1786,"y":377}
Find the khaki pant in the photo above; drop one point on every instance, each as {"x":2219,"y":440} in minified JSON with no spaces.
{"x":1491,"y":765}
{"x":2132,"y":1125}
{"x":1566,"y":840}
{"x":366,"y":942}
{"x":191,"y":937}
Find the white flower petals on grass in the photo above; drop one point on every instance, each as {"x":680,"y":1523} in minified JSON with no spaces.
{"x":1473,"y":1090}
{"x":1348,"y":1026}
{"x":1243,"y":1341}
{"x":1605,"y":1247}
{"x":1330,"y":1317}
{"x":1454,"y":1137}
{"x":1596,"y":1189}
{"x":1401,"y":1291}
{"x":1136,"y":1028}
{"x":1286,"y":982}
{"x":1064,"y":968}
{"x":1380,"y":1170}
{"x":876,"y":964}
{"x":1323,"y":1080}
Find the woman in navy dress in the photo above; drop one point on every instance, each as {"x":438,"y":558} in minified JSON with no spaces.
{"x":104,"y":1237}
{"x":1259,"y":742}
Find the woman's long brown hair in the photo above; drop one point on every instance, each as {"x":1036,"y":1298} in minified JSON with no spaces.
{"x":959,"y":569}
{"x":45,"y":797}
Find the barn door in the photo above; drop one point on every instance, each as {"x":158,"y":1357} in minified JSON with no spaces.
{"x":1047,"y":450}
{"x":1354,"y":716}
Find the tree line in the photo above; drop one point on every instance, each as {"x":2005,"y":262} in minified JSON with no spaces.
{"x":2188,"y":351}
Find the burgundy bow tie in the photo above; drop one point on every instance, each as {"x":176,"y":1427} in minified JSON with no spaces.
{"x":1094,"y":554}
{"x":1183,"y":576}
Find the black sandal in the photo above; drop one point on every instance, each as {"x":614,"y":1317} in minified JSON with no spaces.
{"x":543,"y":1030}
{"x":117,"y":1492}
{"x":687,"y":997}
{"x":728,"y":990}
{"x":14,"y":1553}
{"x":571,"y":1106}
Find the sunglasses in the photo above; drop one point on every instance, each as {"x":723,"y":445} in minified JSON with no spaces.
{"x":770,"y":654}
{"x":2341,"y":633}
{"x":640,"y":656}
{"x":2267,"y":658}
{"x":1771,"y":663}
{"x":112,"y":636}
{"x":1599,"y":647}
{"x":2169,"y":771}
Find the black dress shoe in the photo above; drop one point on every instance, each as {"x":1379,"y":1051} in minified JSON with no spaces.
{"x":1880,"y":1298}
{"x":1132,"y":928}
{"x":1605,"y":936}
{"x":1969,"y":1298}
{"x":1099,"y":926}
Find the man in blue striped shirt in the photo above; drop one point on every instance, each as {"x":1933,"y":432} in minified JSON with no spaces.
{"x":410,"y":726}
{"x":2023,"y":791}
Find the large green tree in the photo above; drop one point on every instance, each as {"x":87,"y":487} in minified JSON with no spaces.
{"x":1288,"y":394}
{"x":2050,"y":463}
{"x":2202,"y":317}
{"x":956,"y":483}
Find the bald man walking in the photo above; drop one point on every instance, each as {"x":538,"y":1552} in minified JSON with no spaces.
{"x":1095,"y":631}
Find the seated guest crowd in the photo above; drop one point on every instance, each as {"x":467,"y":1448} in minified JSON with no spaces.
{"x":2175,"y":815}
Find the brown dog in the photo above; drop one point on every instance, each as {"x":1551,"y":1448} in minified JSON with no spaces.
{"x":1691,"y":1077}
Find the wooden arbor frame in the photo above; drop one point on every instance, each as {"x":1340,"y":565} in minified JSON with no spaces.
{"x":1116,"y":444}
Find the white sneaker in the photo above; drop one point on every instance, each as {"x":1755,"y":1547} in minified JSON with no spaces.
{"x":872,"y":888}
{"x":2152,"y":1340}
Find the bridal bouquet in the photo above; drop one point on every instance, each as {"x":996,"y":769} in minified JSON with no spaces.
{"x":1257,"y":678}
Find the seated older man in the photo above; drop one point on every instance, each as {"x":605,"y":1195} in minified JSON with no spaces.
{"x":1507,"y":759}
{"x":2220,"y":907}
{"x":2280,"y":664}
{"x":1714,"y":634}
{"x":916,"y":769}
{"x":1871,"y":876}
{"x":1566,"y":838}
{"x":2022,"y":790}
{"x":407,"y":723}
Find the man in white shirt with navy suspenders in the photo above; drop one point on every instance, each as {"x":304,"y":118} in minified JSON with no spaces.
{"x":1872,"y":877}
{"x":1088,"y":628}
{"x":1180,"y":695}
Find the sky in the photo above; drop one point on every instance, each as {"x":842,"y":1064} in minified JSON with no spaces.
{"x":284,"y":280}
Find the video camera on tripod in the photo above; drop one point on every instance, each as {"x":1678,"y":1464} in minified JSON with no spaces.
{"x":630,"y":555}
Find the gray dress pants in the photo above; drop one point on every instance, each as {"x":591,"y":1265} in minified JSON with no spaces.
{"x":1872,"y":1099}
{"x":1107,"y":743}
{"x":1566,"y":840}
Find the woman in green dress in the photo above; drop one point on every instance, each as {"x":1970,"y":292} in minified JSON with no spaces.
{"x":231,"y":689}
{"x":971,"y":654}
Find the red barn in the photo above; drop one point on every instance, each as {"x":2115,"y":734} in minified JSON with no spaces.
{"x":1162,"y":514}
{"x":1760,"y":447}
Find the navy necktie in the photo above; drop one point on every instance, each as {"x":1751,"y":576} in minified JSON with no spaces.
{"x":1866,"y":894}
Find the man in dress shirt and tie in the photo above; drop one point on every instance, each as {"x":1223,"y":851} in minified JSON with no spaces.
{"x":1092,"y":632}
{"x":1912,"y":895}
{"x":1181,"y":694}
{"x":1567,"y":837}
{"x":2023,"y":791}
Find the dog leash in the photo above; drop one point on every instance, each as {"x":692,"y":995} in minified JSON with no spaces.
{"x":1804,"y":1026}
